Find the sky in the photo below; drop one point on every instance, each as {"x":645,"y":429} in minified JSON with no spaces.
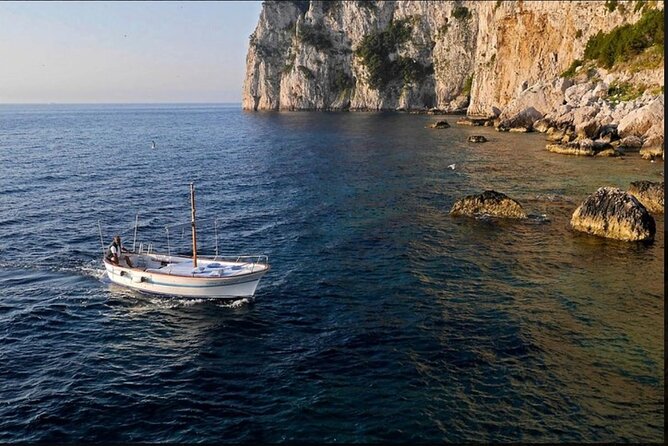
{"x":124,"y":52}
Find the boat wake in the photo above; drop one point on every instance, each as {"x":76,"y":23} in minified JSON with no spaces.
{"x":237,"y":303}
{"x":88,"y":269}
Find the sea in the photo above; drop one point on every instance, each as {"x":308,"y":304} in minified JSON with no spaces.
{"x":383,"y":318}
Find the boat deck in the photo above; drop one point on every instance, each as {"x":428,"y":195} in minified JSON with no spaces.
{"x":208,"y":269}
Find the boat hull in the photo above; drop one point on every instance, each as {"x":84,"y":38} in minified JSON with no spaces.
{"x":168,"y":285}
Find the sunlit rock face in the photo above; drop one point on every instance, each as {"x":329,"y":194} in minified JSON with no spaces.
{"x":612,"y":213}
{"x":489,"y":203}
{"x":650,"y":194}
{"x":483,"y":58}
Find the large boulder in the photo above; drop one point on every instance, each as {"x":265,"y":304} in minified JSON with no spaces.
{"x":639,"y":121}
{"x":585,"y":120}
{"x":575,"y":94}
{"x":532,"y":104}
{"x":543,"y":125}
{"x":471,"y":120}
{"x":631,"y":143}
{"x":571,"y":148}
{"x":584,"y":147}
{"x":650,"y":194}
{"x":652,"y":146}
{"x":612,"y":213}
{"x":492,"y":203}
{"x":522,"y":121}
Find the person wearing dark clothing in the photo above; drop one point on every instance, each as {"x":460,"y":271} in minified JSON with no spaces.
{"x":114,"y":252}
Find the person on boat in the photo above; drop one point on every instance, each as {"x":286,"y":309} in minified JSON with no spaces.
{"x":115,"y":250}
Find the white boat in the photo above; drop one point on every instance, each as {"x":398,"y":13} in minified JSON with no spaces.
{"x":218,"y":277}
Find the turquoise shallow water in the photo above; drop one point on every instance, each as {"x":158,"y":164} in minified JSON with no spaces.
{"x":383,"y":318}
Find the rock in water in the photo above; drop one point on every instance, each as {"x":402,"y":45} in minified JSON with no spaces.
{"x":571,"y":149}
{"x":612,"y":213}
{"x":477,"y":138}
{"x":470,"y":120}
{"x":490,"y":203}
{"x":650,"y":194}
{"x":439,"y":125}
{"x":631,"y":143}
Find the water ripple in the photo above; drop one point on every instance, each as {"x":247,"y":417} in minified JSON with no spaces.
{"x":384,"y":319}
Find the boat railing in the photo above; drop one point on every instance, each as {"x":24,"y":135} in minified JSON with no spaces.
{"x":149,"y":248}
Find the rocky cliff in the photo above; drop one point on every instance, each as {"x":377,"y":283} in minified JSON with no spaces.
{"x":485,"y":58}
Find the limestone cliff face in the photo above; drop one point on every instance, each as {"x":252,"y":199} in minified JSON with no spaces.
{"x":470,"y":56}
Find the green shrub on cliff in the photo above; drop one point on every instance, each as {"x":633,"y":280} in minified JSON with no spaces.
{"x":624,"y":42}
{"x":466,"y":89}
{"x":375,"y":50}
{"x":341,"y":81}
{"x":411,"y":70}
{"x":611,"y":5}
{"x":570,"y":72}
{"x":461,"y":12}
{"x":624,"y":91}
{"x":315,"y":36}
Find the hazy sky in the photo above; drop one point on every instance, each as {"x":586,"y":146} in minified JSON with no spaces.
{"x":124,"y":51}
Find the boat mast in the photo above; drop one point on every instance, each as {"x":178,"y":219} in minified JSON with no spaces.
{"x":192,"y":221}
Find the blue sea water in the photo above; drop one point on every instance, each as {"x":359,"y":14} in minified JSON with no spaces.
{"x":383,"y":319}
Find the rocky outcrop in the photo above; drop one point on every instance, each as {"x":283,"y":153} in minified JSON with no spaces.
{"x":646,"y":123}
{"x":631,"y":143}
{"x":477,"y":138}
{"x":473,"y":121}
{"x":641,"y":120}
{"x":443,"y":124}
{"x":584,"y":147}
{"x":650,"y":194}
{"x":613,"y":213}
{"x":532,"y":104}
{"x":587,"y":124}
{"x":491,"y":203}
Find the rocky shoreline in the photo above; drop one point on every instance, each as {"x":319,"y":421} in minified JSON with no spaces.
{"x":588,"y":74}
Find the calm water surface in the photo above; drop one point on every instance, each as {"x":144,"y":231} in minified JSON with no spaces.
{"x":383,"y":318}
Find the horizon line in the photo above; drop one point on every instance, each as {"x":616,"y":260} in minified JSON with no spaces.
{"x":120,"y":103}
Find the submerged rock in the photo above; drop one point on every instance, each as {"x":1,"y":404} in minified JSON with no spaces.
{"x":439,"y":125}
{"x":609,"y":152}
{"x":583,"y":147}
{"x":571,"y":149}
{"x":492,"y":203}
{"x":650,"y":194}
{"x":477,"y":138}
{"x":469,"y":120}
{"x":612,"y":213}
